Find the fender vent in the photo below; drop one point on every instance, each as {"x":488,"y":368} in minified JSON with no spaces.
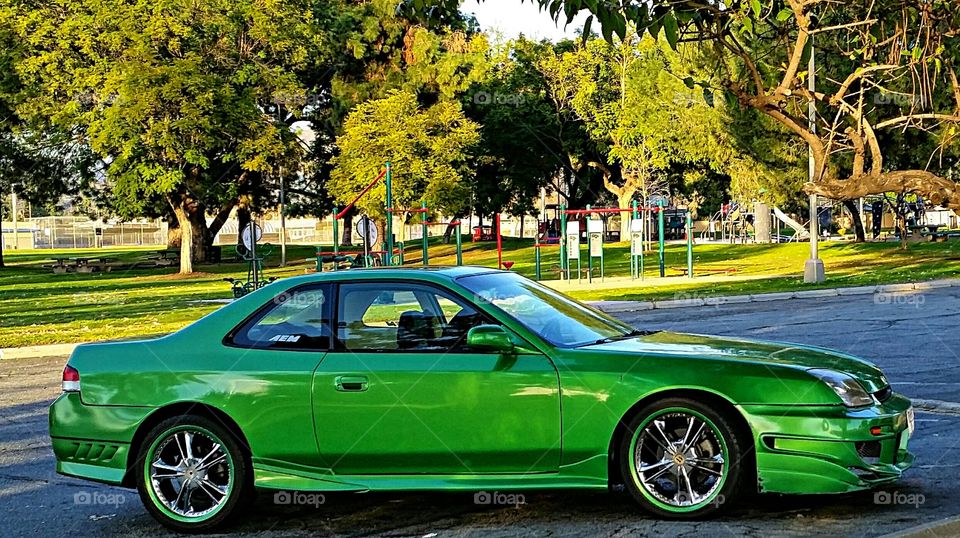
{"x":94,"y":452}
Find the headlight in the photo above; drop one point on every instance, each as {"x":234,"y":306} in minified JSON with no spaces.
{"x":847,"y":388}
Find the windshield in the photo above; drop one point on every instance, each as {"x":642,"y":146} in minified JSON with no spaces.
{"x":556,"y":318}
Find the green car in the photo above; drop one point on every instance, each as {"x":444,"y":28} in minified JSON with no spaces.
{"x":464,"y":379}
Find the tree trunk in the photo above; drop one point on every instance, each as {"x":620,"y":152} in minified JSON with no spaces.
{"x":851,"y":206}
{"x":243,"y":220}
{"x":937,"y":190}
{"x":625,"y":202}
{"x":448,"y":232}
{"x":902,"y":224}
{"x":346,"y":236}
{"x":193,"y":225}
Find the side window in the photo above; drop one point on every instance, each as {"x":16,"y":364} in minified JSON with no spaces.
{"x":402,"y":317}
{"x":299,"y":319}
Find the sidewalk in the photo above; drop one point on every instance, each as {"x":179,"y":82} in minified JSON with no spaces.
{"x":620,"y":282}
{"x":38,"y":352}
{"x":694,"y":299}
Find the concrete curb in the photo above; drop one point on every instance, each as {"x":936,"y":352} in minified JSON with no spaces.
{"x":37,"y":352}
{"x":939,"y":407}
{"x":944,"y":527}
{"x":689,"y":300}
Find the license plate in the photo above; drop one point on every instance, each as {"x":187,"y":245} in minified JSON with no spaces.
{"x":911,"y":423}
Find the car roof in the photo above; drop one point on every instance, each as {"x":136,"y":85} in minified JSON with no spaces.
{"x":427,"y":273}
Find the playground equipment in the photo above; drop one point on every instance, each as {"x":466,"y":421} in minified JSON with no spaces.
{"x":569,"y":239}
{"x":731,"y":222}
{"x":483,"y":234}
{"x":389,"y":254}
{"x":801,"y":233}
{"x":247,"y":250}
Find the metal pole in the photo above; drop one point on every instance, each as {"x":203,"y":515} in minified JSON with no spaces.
{"x":253,"y":253}
{"x":563,"y":242}
{"x":459,"y":243}
{"x":813,"y":270}
{"x":689,"y":245}
{"x":537,"y":257}
{"x":336,"y":245}
{"x":13,"y":206}
{"x":660,"y":205}
{"x":283,"y":223}
{"x":389,"y":181}
{"x":365,"y":220}
{"x":589,"y":248}
{"x":426,"y":246}
{"x":499,"y":243}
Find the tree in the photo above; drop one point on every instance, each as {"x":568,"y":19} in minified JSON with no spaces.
{"x":41,"y":166}
{"x":429,"y":149}
{"x":640,"y":114}
{"x":521,"y":148}
{"x":903,"y":53}
{"x":169,"y":93}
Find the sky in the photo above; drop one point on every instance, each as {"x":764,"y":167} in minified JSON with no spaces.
{"x":511,"y":18}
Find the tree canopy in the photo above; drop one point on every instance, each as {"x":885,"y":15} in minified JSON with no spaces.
{"x":428,"y":148}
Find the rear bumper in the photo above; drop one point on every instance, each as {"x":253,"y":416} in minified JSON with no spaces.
{"x":830,"y":449}
{"x":93,"y":441}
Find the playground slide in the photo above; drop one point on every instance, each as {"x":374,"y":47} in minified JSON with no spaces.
{"x":801,"y":233}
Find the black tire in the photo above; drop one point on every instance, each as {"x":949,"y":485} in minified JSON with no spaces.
{"x":234,"y":471}
{"x":720,"y":436}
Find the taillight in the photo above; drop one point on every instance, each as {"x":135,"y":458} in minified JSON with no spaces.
{"x":71,"y":379}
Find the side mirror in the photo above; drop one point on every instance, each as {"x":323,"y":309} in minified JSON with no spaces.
{"x":490,"y":338}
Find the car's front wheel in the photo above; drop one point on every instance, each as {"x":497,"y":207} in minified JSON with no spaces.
{"x":681,"y":459}
{"x":193,"y":474}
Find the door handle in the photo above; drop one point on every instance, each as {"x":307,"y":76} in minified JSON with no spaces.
{"x":351,"y":383}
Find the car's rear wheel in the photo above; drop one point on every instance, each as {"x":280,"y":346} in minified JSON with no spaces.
{"x":193,"y":474}
{"x":680,"y":459}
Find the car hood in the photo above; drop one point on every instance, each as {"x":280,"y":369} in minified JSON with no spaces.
{"x":756,"y":351}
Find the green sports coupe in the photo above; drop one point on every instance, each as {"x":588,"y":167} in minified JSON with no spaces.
{"x":464,"y":379}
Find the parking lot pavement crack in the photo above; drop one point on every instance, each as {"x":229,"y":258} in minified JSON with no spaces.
{"x":23,"y":478}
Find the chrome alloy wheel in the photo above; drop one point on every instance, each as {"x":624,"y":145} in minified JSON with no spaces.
{"x":190,"y":473}
{"x":679,"y":459}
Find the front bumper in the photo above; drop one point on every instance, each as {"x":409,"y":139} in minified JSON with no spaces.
{"x":830,"y":449}
{"x":93,"y":441}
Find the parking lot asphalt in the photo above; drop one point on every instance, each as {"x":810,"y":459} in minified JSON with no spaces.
{"x":912,"y":336}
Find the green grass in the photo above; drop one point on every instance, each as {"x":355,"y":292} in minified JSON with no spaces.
{"x":38,"y":307}
{"x":759,"y":268}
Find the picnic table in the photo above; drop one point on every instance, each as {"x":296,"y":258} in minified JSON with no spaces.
{"x":931,"y":230}
{"x":165,"y":258}
{"x":93,"y":264}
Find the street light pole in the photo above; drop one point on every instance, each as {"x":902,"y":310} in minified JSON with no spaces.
{"x":283,"y":223}
{"x":813,"y":270}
